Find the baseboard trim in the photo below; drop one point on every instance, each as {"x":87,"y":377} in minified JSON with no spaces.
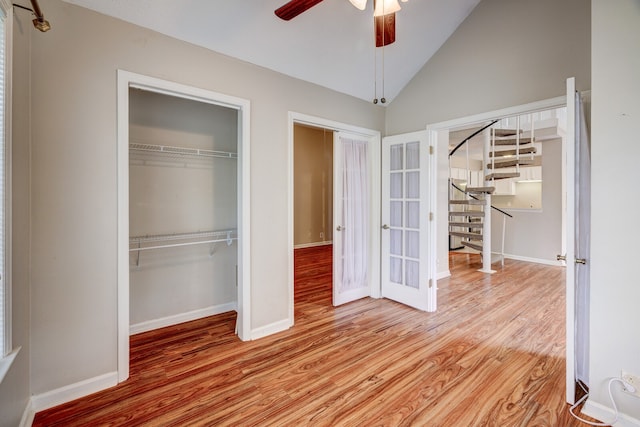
{"x":70,"y":392}
{"x":271,"y":329}
{"x":28,"y":415}
{"x":175,"y":319}
{"x":604,"y":413}
{"x":528,"y":259}
{"x":443,"y":274}
{"x":313,"y":244}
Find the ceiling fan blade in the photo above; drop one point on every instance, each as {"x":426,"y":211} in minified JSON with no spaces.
{"x":385,"y":29}
{"x":294,"y":8}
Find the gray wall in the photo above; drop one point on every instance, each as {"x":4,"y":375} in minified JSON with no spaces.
{"x":14,"y":389}
{"x":615,"y":291}
{"x":506,"y":53}
{"x":74,"y":185}
{"x":536,"y":234}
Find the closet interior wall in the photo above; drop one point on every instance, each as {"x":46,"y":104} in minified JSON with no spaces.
{"x":182,"y":209}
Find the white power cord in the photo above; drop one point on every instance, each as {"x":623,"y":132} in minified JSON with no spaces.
{"x":625,"y":384}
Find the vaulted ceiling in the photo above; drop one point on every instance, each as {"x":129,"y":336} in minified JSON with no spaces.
{"x":331,"y":44}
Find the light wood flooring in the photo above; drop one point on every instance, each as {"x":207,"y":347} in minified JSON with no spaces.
{"x":492,"y":355}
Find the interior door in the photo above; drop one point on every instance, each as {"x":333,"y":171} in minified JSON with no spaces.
{"x":577,"y":176}
{"x":406,"y":270}
{"x":351,"y":217}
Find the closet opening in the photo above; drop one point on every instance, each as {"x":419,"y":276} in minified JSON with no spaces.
{"x":183,"y":208}
{"x":313,"y":214}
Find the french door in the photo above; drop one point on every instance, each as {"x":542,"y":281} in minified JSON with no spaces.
{"x":351,"y":218}
{"x":406,"y":270}
{"x":578,"y":217}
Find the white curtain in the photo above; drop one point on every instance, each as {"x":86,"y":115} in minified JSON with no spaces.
{"x":582,"y":250}
{"x":355,"y":214}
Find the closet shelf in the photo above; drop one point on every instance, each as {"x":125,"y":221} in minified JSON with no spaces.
{"x":182,"y":239}
{"x":180,"y":151}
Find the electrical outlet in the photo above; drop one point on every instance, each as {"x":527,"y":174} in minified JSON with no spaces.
{"x":322,"y":235}
{"x":634,"y":381}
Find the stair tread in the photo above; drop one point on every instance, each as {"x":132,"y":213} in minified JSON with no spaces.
{"x":472,"y":245}
{"x":502,"y":175}
{"x":509,"y":163}
{"x":466,"y":224}
{"x":505,"y":132}
{"x":476,"y":214}
{"x":523,"y":150}
{"x":511,"y":141}
{"x":468,"y":235}
{"x":468,"y":202}
{"x":480,"y":190}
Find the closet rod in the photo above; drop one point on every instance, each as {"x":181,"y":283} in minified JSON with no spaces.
{"x":181,"y":236}
{"x":175,"y":245}
{"x":181,"y":151}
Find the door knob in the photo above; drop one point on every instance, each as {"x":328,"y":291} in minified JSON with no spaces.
{"x":561,"y":257}
{"x":385,"y":227}
{"x":339,"y":228}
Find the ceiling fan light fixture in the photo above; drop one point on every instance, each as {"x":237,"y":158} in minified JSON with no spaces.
{"x":360,"y":4}
{"x":385,"y":7}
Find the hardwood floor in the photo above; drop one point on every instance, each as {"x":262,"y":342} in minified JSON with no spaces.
{"x":492,"y":355}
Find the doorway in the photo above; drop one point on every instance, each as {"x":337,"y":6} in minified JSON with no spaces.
{"x":341,"y":133}
{"x":313,"y":210}
{"x":239,"y":108}
{"x":439,"y":133}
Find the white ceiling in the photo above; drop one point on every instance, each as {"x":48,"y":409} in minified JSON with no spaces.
{"x":331,"y":44}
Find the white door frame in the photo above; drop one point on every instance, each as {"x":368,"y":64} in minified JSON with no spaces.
{"x":126,"y":80}
{"x":373,"y":136}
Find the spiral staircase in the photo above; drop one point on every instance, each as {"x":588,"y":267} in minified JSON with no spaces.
{"x":470,"y":206}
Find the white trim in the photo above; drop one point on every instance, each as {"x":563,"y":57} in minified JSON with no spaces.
{"x":443,"y":274}
{"x":604,"y":413}
{"x":529,"y":259}
{"x":6,"y":362}
{"x":125,"y":80}
{"x":271,"y":329}
{"x":531,"y":107}
{"x":375,"y":139}
{"x":70,"y":392}
{"x":6,"y":282}
{"x":313,"y":244}
{"x":176,"y":319}
{"x":28,"y":415}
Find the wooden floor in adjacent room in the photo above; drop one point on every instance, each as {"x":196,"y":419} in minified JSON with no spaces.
{"x":492,"y":355}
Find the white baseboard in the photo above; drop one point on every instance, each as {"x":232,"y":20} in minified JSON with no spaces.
{"x":28,"y":416}
{"x":605,"y":414}
{"x":175,"y":319}
{"x":313,"y":244}
{"x":270,"y":329}
{"x":443,"y":274}
{"x":528,"y":259}
{"x":70,"y":392}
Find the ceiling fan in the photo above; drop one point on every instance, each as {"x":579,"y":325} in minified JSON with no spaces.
{"x":384,"y":14}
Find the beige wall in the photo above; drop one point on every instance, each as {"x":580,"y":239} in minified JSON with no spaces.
{"x":15,"y":388}
{"x":313,"y":185}
{"x":74,"y":185}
